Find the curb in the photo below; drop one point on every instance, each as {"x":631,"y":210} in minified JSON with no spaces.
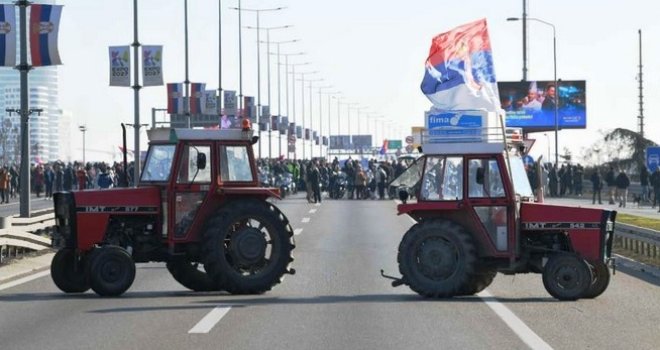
{"x":26,"y":266}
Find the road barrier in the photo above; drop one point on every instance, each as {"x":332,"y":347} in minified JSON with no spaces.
{"x":641,"y":241}
{"x":26,"y":235}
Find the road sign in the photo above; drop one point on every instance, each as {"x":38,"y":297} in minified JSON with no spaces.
{"x":393,"y":144}
{"x":292,"y":138}
{"x":410,"y":140}
{"x":652,"y":158}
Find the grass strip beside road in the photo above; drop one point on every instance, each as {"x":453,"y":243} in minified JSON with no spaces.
{"x":653,"y":224}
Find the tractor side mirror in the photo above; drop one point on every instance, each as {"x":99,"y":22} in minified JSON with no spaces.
{"x":480,"y":176}
{"x":201,"y":161}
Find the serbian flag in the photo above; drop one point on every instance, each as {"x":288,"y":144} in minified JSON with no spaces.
{"x":175,"y":98}
{"x":196,"y":96}
{"x":383,"y":150}
{"x":7,"y":36}
{"x":459,"y":72}
{"x":44,"y":24}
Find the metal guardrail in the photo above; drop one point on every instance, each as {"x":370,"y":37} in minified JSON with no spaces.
{"x":639,"y":240}
{"x":25,"y":235}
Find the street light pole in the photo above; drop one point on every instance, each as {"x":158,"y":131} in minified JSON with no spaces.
{"x":83,"y":129}
{"x":321,"y":118}
{"x":311,"y":119}
{"x":554,"y":53}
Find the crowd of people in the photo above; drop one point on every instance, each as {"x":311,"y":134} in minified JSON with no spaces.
{"x":615,"y":182}
{"x":45,"y":179}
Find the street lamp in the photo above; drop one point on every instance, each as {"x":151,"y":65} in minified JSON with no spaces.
{"x":302,"y":96}
{"x":311,"y":114}
{"x":286,"y":82}
{"x":83,"y":129}
{"x":321,"y":88}
{"x":554,"y":52}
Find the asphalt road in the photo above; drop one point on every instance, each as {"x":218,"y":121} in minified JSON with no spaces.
{"x":13,"y":207}
{"x":336,"y":300}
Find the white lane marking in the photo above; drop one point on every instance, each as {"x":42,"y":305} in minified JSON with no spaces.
{"x":523,"y":332}
{"x":305,"y":220}
{"x":398,"y":201}
{"x":312,"y":211}
{"x":210,"y":320}
{"x":24,"y":280}
{"x":297,"y":231}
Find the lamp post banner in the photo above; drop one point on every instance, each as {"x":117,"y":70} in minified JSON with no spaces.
{"x":152,"y":65}
{"x":44,"y":25}
{"x":120,"y":66}
{"x":230,"y":103}
{"x":209,"y":103}
{"x":284,"y":122}
{"x":8,"y":35}
{"x":175,"y":98}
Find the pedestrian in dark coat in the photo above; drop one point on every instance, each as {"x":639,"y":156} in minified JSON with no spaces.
{"x":622,"y":184}
{"x":597,"y":185}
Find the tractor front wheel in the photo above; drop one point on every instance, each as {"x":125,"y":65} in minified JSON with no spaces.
{"x":111,"y":270}
{"x":600,"y":280}
{"x":438,"y":259}
{"x":68,"y":273}
{"x":247,"y":247}
{"x":190,"y":276}
{"x":566,"y":277}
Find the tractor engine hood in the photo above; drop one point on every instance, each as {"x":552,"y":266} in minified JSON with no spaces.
{"x":542,"y":216}
{"x":127,"y":200}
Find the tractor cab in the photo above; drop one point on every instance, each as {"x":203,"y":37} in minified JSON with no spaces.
{"x":477,"y":215}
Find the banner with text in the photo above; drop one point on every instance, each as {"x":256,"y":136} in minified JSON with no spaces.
{"x":230,"y":103}
{"x":152,"y":65}
{"x":209,"y":103}
{"x":120,"y":65}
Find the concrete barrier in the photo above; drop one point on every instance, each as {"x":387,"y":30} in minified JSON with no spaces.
{"x":5,"y":222}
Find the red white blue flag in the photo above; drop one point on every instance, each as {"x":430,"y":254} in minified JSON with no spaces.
{"x":7,"y":36}
{"x":459,"y":71}
{"x":383,"y":150}
{"x":175,"y":98}
{"x":44,"y":25}
{"x":196,"y":96}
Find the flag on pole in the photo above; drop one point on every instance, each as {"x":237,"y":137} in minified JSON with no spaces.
{"x":152,"y":65}
{"x":459,"y":70}
{"x":7,"y":36}
{"x":120,"y":65}
{"x":175,"y":98}
{"x":383,"y":149}
{"x":44,"y":25}
{"x":210,"y":103}
{"x":196,"y":92}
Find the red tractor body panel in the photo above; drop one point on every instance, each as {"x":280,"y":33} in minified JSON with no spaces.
{"x":585,"y":227}
{"x":94,"y":208}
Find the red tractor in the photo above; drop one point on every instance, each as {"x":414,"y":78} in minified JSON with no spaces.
{"x":198,"y":204}
{"x":476,"y":215}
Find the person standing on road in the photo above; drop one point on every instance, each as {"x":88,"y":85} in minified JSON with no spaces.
{"x":655,"y":182}
{"x":553,"y":180}
{"x":4,"y":185}
{"x":622,"y":183}
{"x":597,"y":183}
{"x":314,"y":177}
{"x":644,"y":181}
{"x":381,"y":177}
{"x":39,"y":180}
{"x":611,"y":183}
{"x":577,"y":179}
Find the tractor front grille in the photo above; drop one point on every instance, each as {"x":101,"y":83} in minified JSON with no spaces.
{"x":65,"y":220}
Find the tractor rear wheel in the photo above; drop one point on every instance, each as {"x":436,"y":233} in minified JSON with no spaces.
{"x":190,"y":276}
{"x":68,"y":273}
{"x":247,"y":247}
{"x":111,"y":270}
{"x":600,"y":280}
{"x":566,"y":277}
{"x":481,"y":280}
{"x":438,"y":259}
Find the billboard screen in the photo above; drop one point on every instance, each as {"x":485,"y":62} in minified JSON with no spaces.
{"x":340,"y":142}
{"x":362,"y":141}
{"x":530,"y":104}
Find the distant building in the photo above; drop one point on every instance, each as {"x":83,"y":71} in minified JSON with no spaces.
{"x":46,"y":141}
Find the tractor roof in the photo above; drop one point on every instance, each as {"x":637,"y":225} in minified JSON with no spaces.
{"x":174,"y":135}
{"x":470,"y":140}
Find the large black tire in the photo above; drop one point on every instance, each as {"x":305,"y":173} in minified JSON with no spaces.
{"x":68,"y":273}
{"x":247,"y":246}
{"x":480,"y":281}
{"x":111,"y":270}
{"x":566,"y":276}
{"x":600,"y":280}
{"x":438,"y":259}
{"x":188,"y":275}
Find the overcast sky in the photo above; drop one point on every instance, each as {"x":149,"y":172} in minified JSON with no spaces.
{"x":371,"y":51}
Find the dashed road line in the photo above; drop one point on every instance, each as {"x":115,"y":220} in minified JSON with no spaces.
{"x":305,"y":220}
{"x":24,"y":280}
{"x":312,"y":211}
{"x":297,"y":231}
{"x":210,"y":320}
{"x":519,"y":327}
